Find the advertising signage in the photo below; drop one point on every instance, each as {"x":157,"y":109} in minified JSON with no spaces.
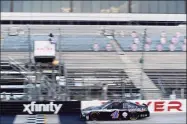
{"x":44,"y":48}
{"x":44,"y":107}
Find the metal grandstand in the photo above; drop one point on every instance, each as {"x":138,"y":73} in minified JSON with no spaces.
{"x":87,"y":68}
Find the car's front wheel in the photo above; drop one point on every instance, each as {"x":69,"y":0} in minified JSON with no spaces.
{"x":93,"y":116}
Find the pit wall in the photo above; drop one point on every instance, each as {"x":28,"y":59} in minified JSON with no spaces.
{"x":154,"y":106}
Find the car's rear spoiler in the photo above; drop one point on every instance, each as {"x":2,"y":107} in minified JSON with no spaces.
{"x":144,"y":104}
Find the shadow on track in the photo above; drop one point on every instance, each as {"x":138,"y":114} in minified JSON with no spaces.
{"x":7,"y":119}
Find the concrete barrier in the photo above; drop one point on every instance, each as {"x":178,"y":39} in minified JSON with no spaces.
{"x":39,"y":107}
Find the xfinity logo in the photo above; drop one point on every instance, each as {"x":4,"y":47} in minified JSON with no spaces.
{"x":51,"y":107}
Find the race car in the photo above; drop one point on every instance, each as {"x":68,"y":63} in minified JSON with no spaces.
{"x":115,"y":110}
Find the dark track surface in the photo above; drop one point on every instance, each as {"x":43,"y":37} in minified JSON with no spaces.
{"x":156,"y":118}
{"x":164,"y":118}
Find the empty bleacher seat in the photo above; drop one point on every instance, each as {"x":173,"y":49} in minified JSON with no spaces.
{"x":68,"y":42}
{"x":126,"y":42}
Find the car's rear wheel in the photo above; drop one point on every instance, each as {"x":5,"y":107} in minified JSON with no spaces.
{"x":134,"y":116}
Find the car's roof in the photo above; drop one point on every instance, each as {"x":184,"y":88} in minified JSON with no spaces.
{"x":118,"y":100}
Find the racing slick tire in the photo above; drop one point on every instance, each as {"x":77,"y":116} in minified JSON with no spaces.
{"x":134,"y":116}
{"x":94,"y":116}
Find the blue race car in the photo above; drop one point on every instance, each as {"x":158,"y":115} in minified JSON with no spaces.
{"x":115,"y":110}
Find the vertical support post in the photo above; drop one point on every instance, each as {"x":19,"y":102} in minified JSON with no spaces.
{"x":130,"y":6}
{"x":182,"y":93}
{"x":66,"y":87}
{"x":124,"y":81}
{"x":71,"y":5}
{"x":105,"y":90}
{"x":64,"y":66}
{"x":60,"y":62}
{"x":53,"y":85}
{"x":59,"y":53}
{"x":142,"y":62}
{"x":11,"y":6}
{"x":30,"y":45}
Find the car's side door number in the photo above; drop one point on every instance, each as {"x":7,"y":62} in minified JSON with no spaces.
{"x":115,"y":114}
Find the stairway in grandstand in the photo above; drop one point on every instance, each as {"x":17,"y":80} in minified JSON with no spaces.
{"x":135,"y":73}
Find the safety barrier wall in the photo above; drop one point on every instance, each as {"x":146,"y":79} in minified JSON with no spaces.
{"x":60,"y":107}
{"x":155,"y":106}
{"x":44,"y":107}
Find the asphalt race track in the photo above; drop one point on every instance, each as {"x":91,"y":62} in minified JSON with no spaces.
{"x":173,"y":118}
{"x":48,"y":119}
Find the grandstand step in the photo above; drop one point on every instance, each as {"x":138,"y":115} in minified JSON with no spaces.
{"x":92,"y":60}
{"x":152,"y":94}
{"x":13,"y":90}
{"x":6,"y":67}
{"x":30,"y":72}
{"x":13,"y":82}
{"x":4,"y":62}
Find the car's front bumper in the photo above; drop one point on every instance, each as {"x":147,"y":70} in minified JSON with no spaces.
{"x":144,"y":114}
{"x":83,"y":115}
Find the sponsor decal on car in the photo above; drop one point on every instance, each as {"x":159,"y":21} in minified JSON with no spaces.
{"x":137,"y":110}
{"x":124,"y":114}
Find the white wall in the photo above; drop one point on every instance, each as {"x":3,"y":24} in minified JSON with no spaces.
{"x":93,"y":16}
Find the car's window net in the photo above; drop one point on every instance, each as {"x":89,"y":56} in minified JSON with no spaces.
{"x":131,"y":105}
{"x":125,"y":105}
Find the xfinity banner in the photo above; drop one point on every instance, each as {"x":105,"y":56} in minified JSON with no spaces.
{"x":33,"y":107}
